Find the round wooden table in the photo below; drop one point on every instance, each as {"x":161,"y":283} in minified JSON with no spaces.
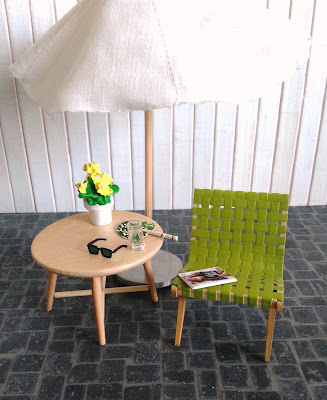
{"x":61,"y":248}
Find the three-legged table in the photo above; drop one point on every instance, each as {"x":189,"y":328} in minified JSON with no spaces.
{"x":61,"y":248}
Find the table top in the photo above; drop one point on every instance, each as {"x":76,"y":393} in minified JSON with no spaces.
{"x":62,"y":246}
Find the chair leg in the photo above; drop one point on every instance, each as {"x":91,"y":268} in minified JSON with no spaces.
{"x":180,"y":320}
{"x":270,"y":332}
{"x":97,"y":293}
{"x":149,"y":278}
{"x":52,"y":280}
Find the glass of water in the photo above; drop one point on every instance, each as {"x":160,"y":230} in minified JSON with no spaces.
{"x":135,"y":234}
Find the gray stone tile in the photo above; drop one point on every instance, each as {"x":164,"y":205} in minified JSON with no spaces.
{"x":21,"y":383}
{"x":208,"y":384}
{"x":56,"y":354}
{"x":228,"y":352}
{"x":142,"y":373}
{"x":295,"y":390}
{"x":112,"y":371}
{"x":74,"y":392}
{"x":261,"y":377}
{"x":83,"y":373}
{"x":112,"y":391}
{"x":315,"y":371}
{"x":235,"y":376}
{"x":51,"y":387}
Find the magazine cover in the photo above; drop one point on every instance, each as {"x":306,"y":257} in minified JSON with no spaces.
{"x":206,"y":277}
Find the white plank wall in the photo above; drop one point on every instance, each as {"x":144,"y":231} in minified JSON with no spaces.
{"x":312,"y":108}
{"x":121,"y":156}
{"x":226,"y":117}
{"x":162,"y":158}
{"x":277,"y":143}
{"x":290,"y":110}
{"x":204,"y":132}
{"x":13,"y":137}
{"x":6,"y":198}
{"x":183,"y":155}
{"x":245,"y":135}
{"x":138,"y":153}
{"x":43,"y":16}
{"x":31,"y":114}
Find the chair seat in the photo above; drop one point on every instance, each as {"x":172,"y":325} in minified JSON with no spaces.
{"x":258,"y":284}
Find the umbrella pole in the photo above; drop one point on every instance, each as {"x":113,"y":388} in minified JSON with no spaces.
{"x":165,"y":266}
{"x":148,"y":164}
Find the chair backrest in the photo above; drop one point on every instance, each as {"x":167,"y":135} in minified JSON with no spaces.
{"x":232,"y":227}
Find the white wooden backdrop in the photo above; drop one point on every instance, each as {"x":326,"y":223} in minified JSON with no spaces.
{"x":276,"y":144}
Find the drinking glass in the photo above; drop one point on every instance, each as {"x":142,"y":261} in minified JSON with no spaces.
{"x":135,"y":234}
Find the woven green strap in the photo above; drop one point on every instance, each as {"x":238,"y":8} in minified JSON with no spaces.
{"x":243,"y":233}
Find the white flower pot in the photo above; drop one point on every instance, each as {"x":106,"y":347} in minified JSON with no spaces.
{"x":99,"y":215}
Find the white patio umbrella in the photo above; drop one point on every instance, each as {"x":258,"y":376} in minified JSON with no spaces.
{"x":119,"y":55}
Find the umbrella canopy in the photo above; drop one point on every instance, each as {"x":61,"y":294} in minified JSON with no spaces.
{"x":116,"y":55}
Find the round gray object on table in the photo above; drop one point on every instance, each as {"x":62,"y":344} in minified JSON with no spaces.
{"x":165,"y":267}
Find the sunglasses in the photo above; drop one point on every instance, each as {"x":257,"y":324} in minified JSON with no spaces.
{"x":104,"y":251}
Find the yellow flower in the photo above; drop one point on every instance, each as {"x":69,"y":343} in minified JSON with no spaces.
{"x":103,"y":189}
{"x":92,"y":168}
{"x":93,"y":177}
{"x":81,"y":187}
{"x":106,"y":179}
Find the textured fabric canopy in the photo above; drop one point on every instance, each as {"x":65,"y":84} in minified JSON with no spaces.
{"x":115,"y":55}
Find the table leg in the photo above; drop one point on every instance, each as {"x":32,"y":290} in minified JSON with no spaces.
{"x":52,"y":280}
{"x":149,"y":278}
{"x":103,"y":284}
{"x":97,"y":293}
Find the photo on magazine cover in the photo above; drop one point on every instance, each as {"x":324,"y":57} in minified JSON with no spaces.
{"x":206,"y":277}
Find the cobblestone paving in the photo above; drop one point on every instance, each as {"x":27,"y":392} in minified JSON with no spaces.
{"x":56,"y":356}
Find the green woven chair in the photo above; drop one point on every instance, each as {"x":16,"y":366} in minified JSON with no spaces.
{"x":244,"y":233}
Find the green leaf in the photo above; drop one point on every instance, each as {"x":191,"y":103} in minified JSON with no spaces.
{"x":93,"y":197}
{"x":115,"y":188}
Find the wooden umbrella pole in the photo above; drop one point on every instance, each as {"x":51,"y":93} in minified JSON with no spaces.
{"x":148,"y":164}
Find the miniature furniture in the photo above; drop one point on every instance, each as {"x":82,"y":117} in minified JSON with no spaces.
{"x":61,"y":248}
{"x":244,"y":234}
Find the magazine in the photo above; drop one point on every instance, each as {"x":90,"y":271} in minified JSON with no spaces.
{"x":206,"y":277}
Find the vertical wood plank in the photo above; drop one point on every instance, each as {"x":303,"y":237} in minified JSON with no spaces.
{"x":138,"y":158}
{"x":246,"y":133}
{"x":21,"y":35}
{"x":60,"y":162}
{"x":119,"y":126}
{"x":265,"y":141}
{"x":183,"y":156}
{"x":318,"y":192}
{"x":291,"y":105}
{"x":267,"y":123}
{"x":204,"y":128}
{"x":162,"y":158}
{"x":99,"y":140}
{"x":224,"y":146}
{"x":76,"y":123}
{"x":79,"y":149}
{"x":43,"y":17}
{"x":244,"y":146}
{"x":6,"y":199}
{"x":12,"y":133}
{"x":312,"y":108}
{"x":61,"y":7}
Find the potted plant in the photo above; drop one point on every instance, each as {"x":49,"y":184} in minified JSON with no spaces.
{"x":96,"y":192}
